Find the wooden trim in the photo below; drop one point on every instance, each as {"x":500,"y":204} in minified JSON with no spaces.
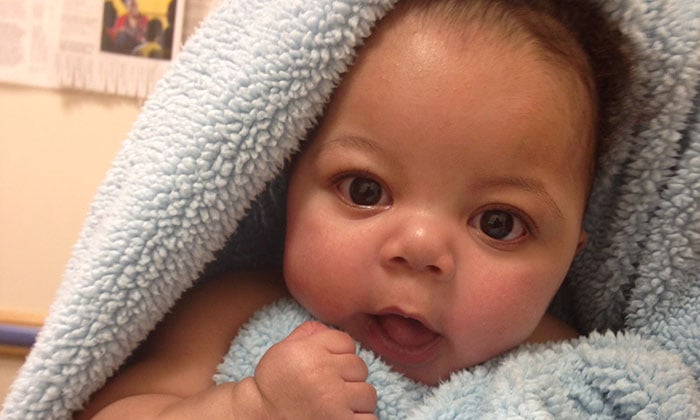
{"x":29,"y":319}
{"x":13,"y":351}
{"x":20,"y":319}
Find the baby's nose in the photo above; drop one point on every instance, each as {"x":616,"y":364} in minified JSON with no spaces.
{"x":422,"y":243}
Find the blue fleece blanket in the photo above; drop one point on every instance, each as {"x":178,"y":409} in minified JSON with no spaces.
{"x":197,"y":187}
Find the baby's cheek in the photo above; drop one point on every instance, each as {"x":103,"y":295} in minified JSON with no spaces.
{"x":512,"y":300}
{"x":307,"y":278}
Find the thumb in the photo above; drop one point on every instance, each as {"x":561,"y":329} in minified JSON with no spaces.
{"x":306,"y":329}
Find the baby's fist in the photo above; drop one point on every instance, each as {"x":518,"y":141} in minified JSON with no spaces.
{"x":315,"y":372}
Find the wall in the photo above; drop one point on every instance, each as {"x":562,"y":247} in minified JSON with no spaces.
{"x":55,"y":147}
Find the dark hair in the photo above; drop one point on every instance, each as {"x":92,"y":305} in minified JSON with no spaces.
{"x":154,"y":28}
{"x":604,"y":46}
{"x":573,"y":33}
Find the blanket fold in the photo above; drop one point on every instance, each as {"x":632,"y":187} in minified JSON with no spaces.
{"x":198,"y":188}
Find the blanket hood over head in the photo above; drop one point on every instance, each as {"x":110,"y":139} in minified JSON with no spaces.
{"x":192,"y":189}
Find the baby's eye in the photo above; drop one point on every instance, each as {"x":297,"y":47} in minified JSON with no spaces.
{"x":500,"y":225}
{"x":363,"y":191}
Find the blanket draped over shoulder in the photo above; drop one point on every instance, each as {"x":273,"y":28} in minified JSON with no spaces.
{"x":198,"y":186}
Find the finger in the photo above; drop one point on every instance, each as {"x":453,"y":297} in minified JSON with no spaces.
{"x":352,"y":368}
{"x":307,"y":329}
{"x":362,"y":397}
{"x":336,"y":342}
{"x":364,"y":416}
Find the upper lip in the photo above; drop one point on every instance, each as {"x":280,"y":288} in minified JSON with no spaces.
{"x":408,"y":314}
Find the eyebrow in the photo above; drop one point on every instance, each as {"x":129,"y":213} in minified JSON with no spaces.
{"x":530,"y":185}
{"x":353,"y":143}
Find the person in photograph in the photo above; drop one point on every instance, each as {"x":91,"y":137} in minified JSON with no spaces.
{"x":167,"y":37}
{"x":130,"y":28}
{"x":109,"y":18}
{"x":151,"y":48}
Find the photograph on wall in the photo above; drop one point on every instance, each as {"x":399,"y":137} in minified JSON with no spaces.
{"x":117,"y":46}
{"x":142,"y":28}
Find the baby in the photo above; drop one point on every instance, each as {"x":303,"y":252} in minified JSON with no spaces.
{"x":432,"y":218}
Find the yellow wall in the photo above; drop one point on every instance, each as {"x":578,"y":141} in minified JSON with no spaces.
{"x":55,"y":148}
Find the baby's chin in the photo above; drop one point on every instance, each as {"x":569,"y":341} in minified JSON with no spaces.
{"x":439,"y":369}
{"x":429,"y":375}
{"x":428,"y":378}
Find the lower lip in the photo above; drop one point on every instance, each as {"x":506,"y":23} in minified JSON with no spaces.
{"x":395,"y":353}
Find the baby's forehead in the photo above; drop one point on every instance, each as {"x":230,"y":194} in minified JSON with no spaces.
{"x":516,"y":26}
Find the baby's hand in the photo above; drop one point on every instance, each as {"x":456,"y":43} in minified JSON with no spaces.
{"x":314,"y":373}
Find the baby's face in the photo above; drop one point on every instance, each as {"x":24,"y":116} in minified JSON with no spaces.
{"x":439,"y":207}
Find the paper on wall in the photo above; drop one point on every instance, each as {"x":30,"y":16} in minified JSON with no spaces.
{"x":28,"y":41}
{"x":88,"y":45}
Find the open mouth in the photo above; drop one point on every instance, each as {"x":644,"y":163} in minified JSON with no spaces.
{"x":401,"y":339}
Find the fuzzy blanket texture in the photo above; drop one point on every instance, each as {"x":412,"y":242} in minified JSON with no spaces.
{"x":198,"y":186}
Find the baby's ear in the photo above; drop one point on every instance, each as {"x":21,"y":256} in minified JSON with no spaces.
{"x":582,"y":241}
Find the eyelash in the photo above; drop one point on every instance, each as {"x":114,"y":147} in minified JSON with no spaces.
{"x":341,"y":178}
{"x":529,"y":227}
